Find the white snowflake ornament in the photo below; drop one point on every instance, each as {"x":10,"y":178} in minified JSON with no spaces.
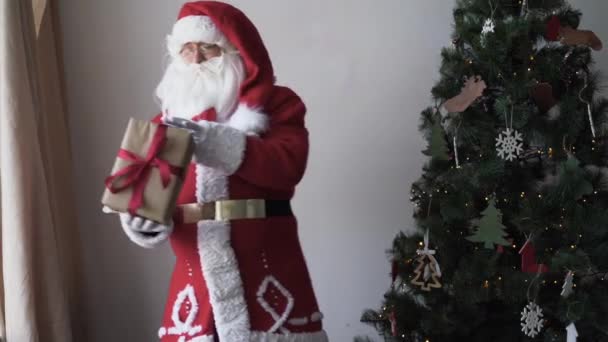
{"x":488,"y":27}
{"x":532,"y":320}
{"x":509,"y":144}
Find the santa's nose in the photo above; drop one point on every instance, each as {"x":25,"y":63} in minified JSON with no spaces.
{"x":198,"y":57}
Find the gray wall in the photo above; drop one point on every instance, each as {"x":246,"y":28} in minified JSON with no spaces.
{"x":364,"y":68}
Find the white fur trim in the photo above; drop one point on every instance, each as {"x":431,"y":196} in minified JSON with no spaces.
{"x":223,"y":279}
{"x":249,"y":120}
{"x":222,"y":148}
{"x":193,"y":28}
{"x":318,"y":336}
{"x":211,"y":184}
{"x":279,"y":320}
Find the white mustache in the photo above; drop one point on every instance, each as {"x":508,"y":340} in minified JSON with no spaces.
{"x":214,"y":65}
{"x":187,"y":89}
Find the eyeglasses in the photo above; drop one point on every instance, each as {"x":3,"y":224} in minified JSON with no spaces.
{"x":203,"y":48}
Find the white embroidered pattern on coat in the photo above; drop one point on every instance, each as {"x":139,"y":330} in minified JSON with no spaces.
{"x":315,"y":317}
{"x":279,"y":319}
{"x":185,"y":298}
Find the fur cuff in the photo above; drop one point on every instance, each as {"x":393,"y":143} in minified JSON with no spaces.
{"x":248,"y":120}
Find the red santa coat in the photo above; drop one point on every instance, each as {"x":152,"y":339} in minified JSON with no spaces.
{"x":245,"y":280}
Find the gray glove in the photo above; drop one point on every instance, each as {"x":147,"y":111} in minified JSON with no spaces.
{"x":217,"y":145}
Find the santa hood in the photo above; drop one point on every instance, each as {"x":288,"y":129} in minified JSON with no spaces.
{"x":219,"y":23}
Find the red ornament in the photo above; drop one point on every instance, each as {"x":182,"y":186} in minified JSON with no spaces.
{"x":393,"y":321}
{"x":528,"y":260}
{"x":553,"y":28}
{"x":500,"y":249}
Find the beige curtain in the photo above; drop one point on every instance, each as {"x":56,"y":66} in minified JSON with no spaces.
{"x":39,"y":281}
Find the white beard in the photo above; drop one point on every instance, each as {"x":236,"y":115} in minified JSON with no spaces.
{"x":188,"y":90}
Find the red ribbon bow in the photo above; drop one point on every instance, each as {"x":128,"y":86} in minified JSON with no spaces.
{"x":138,"y":173}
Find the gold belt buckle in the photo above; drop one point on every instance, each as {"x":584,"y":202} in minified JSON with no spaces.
{"x":207,"y":211}
{"x":227,"y":210}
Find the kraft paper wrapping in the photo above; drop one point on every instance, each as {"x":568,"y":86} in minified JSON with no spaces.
{"x":158,"y":201}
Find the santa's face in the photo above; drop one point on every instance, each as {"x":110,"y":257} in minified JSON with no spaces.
{"x":201,"y":77}
{"x":197,"y":52}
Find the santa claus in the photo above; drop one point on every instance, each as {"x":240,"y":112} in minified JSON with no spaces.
{"x":240,"y":274}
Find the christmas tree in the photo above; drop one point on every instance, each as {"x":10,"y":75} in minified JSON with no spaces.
{"x":515,"y":220}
